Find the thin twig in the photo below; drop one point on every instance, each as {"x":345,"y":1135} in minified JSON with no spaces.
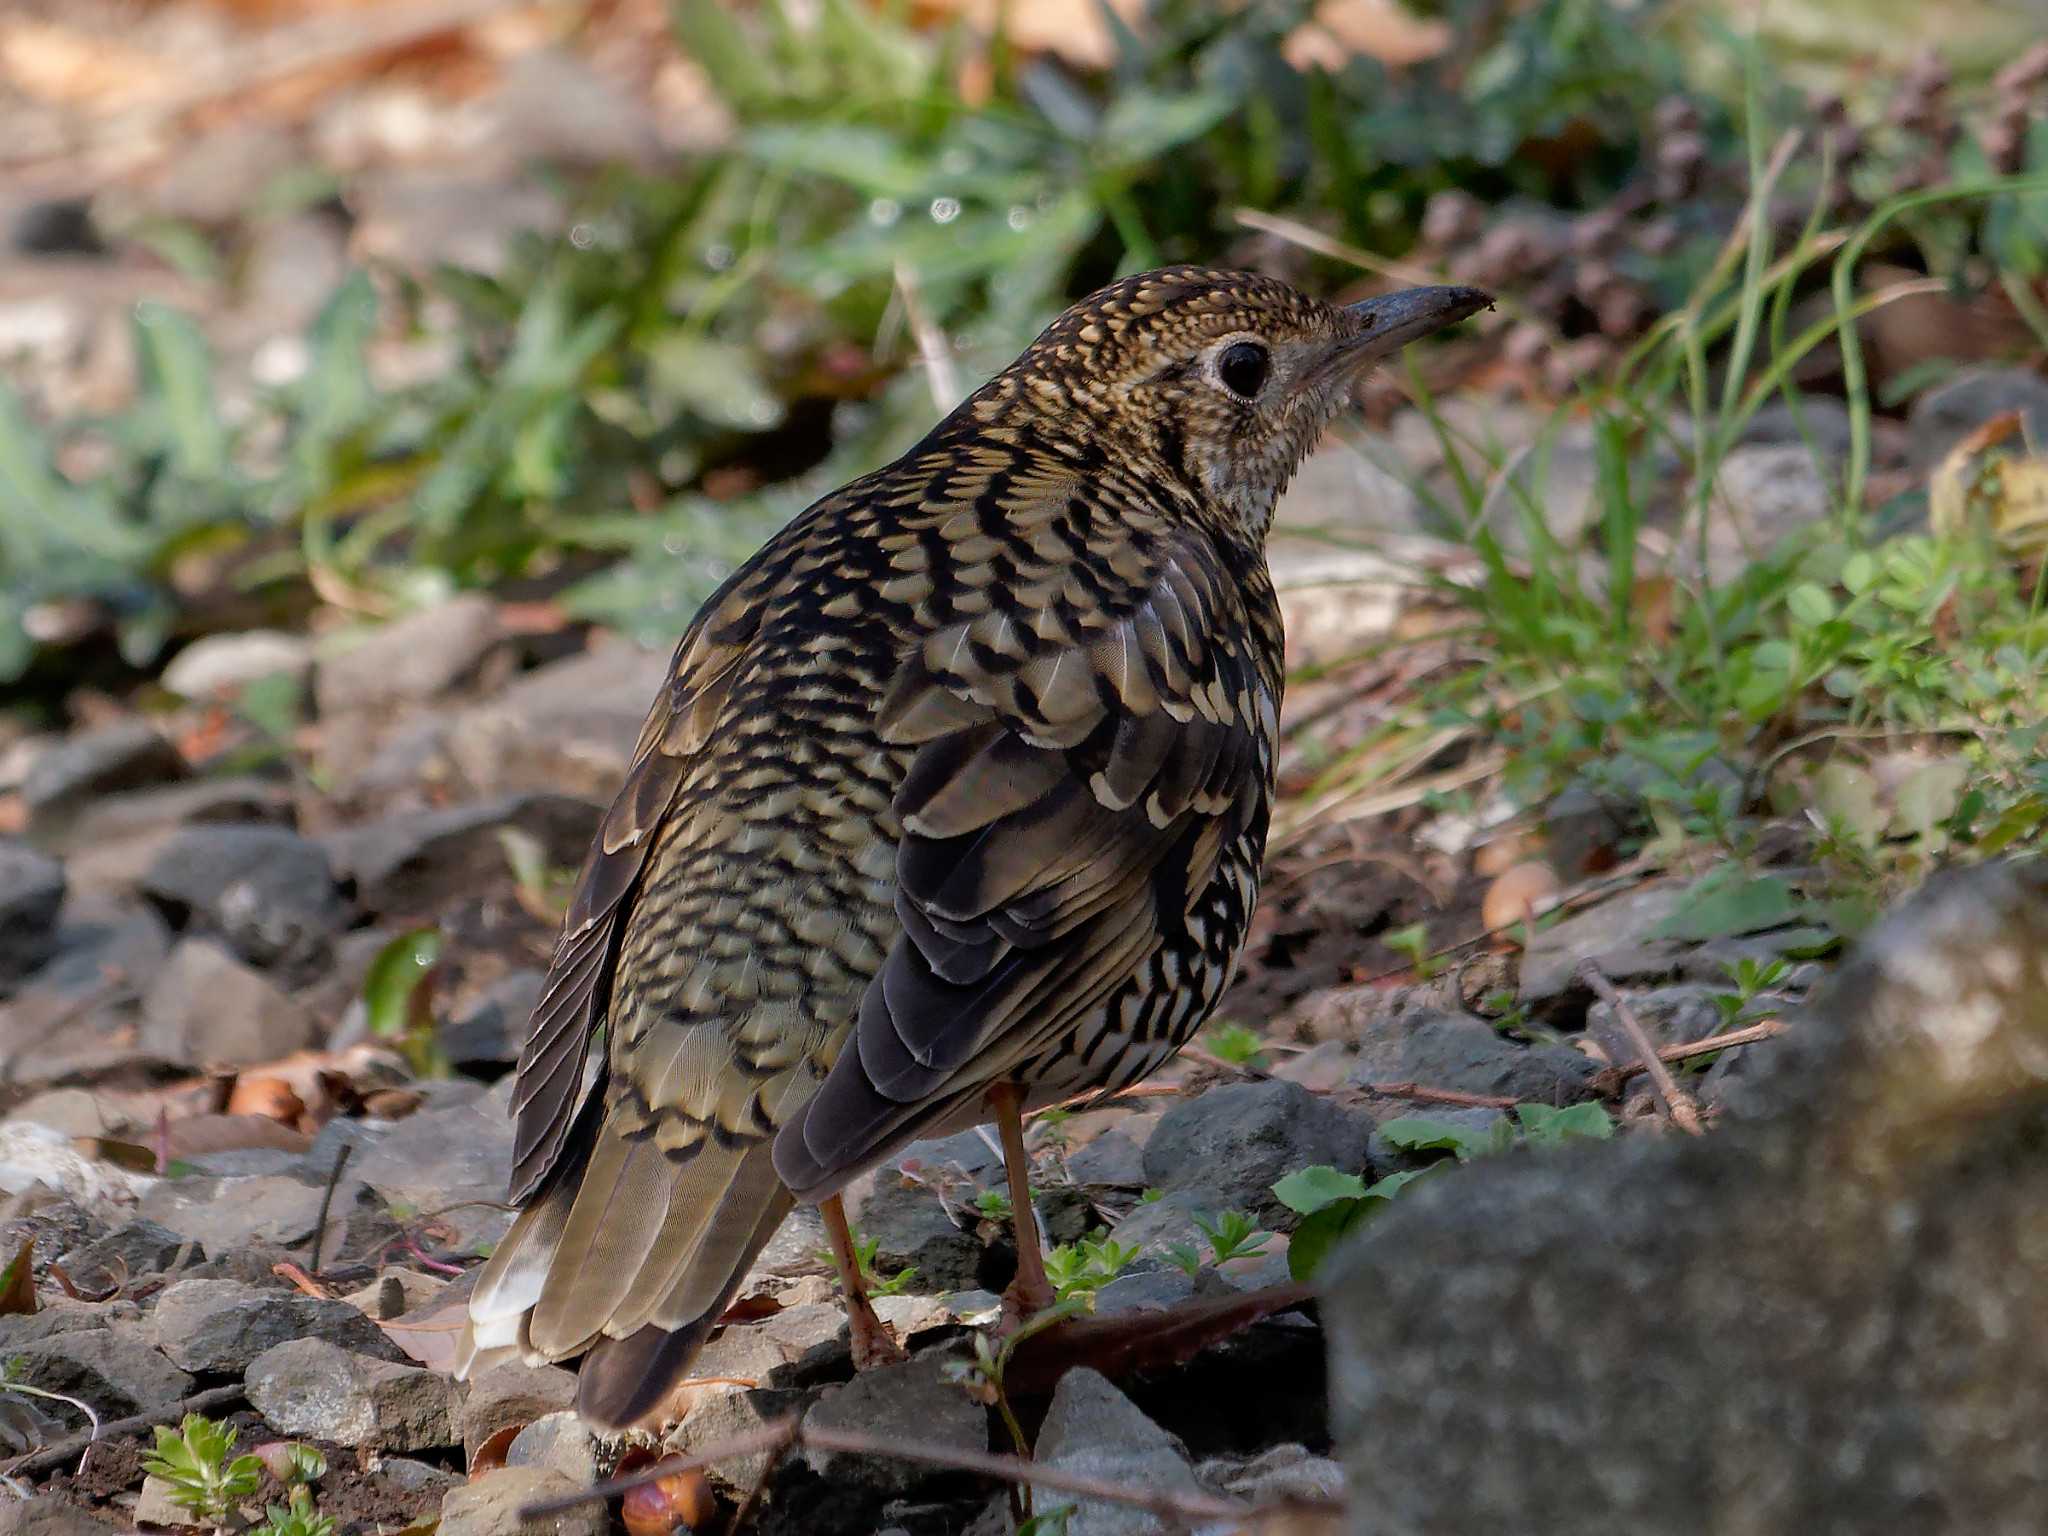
{"x":1672,"y":1099}
{"x":1424,"y":1094}
{"x":1609,"y":1080}
{"x":91,"y":1414}
{"x":790,"y":1433}
{"x":939,"y":377}
{"x":326,"y":1202}
{"x":60,"y":1450}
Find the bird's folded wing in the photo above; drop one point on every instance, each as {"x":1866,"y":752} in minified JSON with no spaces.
{"x":1069,"y":800}
{"x":553,"y":1082}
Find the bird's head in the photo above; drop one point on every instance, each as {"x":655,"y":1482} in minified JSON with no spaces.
{"x":1221,"y":380}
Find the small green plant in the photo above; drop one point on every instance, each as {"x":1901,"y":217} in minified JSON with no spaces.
{"x":872,"y":1280}
{"x":993,"y":1204}
{"x":1543,"y":1126}
{"x":398,"y":996}
{"x":1235,"y":1046}
{"x":1413,"y":943}
{"x":1081,"y":1269}
{"x":1232,"y":1235}
{"x":1051,"y":1523}
{"x":1185,"y":1257}
{"x":982,"y":1379}
{"x":296,"y":1516}
{"x":194,"y":1460}
{"x":1332,"y":1203}
{"x":1752,"y":978}
{"x":1421,"y":1133}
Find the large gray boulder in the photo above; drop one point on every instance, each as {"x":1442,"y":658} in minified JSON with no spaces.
{"x":1829,"y":1317}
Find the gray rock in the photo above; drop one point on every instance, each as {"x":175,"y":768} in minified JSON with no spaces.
{"x":1457,"y":1051}
{"x":1158,"y":1290}
{"x":490,"y":1506}
{"x":440,"y":1156}
{"x":967,"y":1152}
{"x":911,"y":1227}
{"x":1556,"y":482}
{"x":1669,"y":1015}
{"x":568,"y":727}
{"x":48,"y":1514}
{"x":154,"y":1506}
{"x":224,"y":664}
{"x":1231,"y":1144}
{"x":559,"y":1441}
{"x":224,"y":1214}
{"x":31,"y":892}
{"x":1111,"y":1160}
{"x":514,"y":1393}
{"x":1946,"y":414}
{"x":1340,"y":489}
{"x":1862,"y":1258}
{"x":409,"y":660}
{"x":725,"y":1416}
{"x":130,"y":755}
{"x":493,"y":1029}
{"x":1762,"y":496}
{"x":1618,"y":935}
{"x":267,"y":891}
{"x":112,"y":1369}
{"x":222,"y":1325}
{"x":911,"y":1401}
{"x":1157,"y":1225}
{"x":206,"y":1007}
{"x":1093,"y":1430}
{"x":1285,"y":1472}
{"x":313,"y":1388}
{"x":129,"y":1252}
{"x":420,"y":860}
{"x":136,"y":813}
{"x":58,"y":1316}
{"x":553,"y":108}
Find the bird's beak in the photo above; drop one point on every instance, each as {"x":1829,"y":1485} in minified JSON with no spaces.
{"x":1388,"y":323}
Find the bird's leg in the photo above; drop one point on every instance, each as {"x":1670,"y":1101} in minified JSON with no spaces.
{"x":869,"y":1335}
{"x":1030,"y":1292}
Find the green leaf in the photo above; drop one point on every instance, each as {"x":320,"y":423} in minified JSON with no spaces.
{"x":394,"y":976}
{"x":1810,"y":605}
{"x":1544,"y":1126}
{"x":1312,"y":1241}
{"x":176,"y":368}
{"x":1420,"y":1133}
{"x":1927,"y":798}
{"x":1730,"y":902}
{"x":1847,"y":796}
{"x":1308,"y":1190}
{"x":730,"y":59}
{"x":1859,"y":572}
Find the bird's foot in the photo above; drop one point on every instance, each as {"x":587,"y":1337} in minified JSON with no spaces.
{"x":872,"y":1342}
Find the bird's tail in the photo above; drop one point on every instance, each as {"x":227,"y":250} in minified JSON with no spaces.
{"x":628,"y":1259}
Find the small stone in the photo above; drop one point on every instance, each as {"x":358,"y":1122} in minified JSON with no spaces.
{"x":217,"y":665}
{"x":225,"y":1214}
{"x":560,"y":1442}
{"x":31,"y":893}
{"x":1557,"y":482}
{"x":205,"y":1007}
{"x":911,"y":1228}
{"x":1467,"y":1055}
{"x":1946,"y":414}
{"x":1283,"y":1472}
{"x":1234,"y":1142}
{"x":130,"y":1252}
{"x":267,"y":891}
{"x":1669,"y":1015}
{"x":910,"y":1401}
{"x":1762,"y":496}
{"x":716,"y":1419}
{"x":49,"y":1514}
{"x":62,"y":1315}
{"x":568,"y":727}
{"x":514,"y":1393}
{"x":419,"y":860}
{"x":1093,"y":1430}
{"x":62,"y":780}
{"x":1111,"y":1161}
{"x":409,"y":660}
{"x":136,"y":813}
{"x":111,"y":1369}
{"x":493,"y":1029}
{"x":441,"y":1156}
{"x":1158,"y":1290}
{"x":222,"y":1325}
{"x":154,"y":1506}
{"x":313,"y":1388}
{"x":490,"y":1506}
{"x":1619,"y":936}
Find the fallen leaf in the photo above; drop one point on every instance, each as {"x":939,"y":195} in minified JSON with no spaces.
{"x":270,"y":1097}
{"x":491,"y":1454}
{"x":682,"y":1501}
{"x":18,"y":1282}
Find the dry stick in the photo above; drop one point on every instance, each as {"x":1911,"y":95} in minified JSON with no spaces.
{"x":1610,"y":1079}
{"x":790,"y":1433}
{"x":939,"y":377}
{"x":1423,"y":1093}
{"x":326,"y":1201}
{"x":58,"y":1451}
{"x":1675,"y":1101}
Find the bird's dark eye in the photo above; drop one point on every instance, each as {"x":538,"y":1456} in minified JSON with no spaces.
{"x":1243,"y":368}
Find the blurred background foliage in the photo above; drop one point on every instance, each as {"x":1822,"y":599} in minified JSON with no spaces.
{"x":896,"y":197}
